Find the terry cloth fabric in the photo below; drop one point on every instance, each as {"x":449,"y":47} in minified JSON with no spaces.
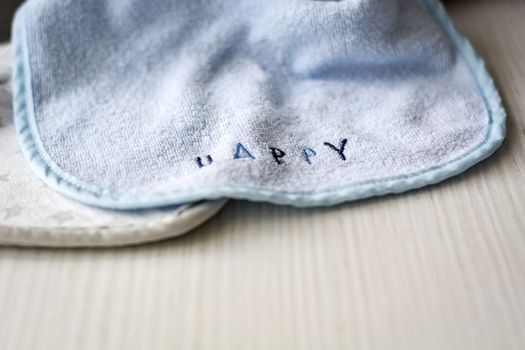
{"x":33,"y":214}
{"x":137,"y":104}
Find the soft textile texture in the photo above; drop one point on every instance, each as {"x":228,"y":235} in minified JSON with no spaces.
{"x":33,"y":214}
{"x":130,"y":104}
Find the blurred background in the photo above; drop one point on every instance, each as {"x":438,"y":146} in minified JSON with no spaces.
{"x":7,"y":8}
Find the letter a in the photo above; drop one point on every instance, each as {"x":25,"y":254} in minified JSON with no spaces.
{"x":242,"y":152}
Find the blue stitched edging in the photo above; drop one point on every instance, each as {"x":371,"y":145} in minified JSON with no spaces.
{"x":71,"y":186}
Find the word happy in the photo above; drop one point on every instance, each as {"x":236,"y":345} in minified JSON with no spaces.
{"x":277,"y":154}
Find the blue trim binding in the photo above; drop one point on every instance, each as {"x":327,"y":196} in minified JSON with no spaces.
{"x":54,"y":176}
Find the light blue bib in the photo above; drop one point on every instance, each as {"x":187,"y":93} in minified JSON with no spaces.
{"x":138,"y":104}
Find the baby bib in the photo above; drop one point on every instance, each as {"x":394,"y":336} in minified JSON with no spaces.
{"x":140,"y":104}
{"x":32,"y":214}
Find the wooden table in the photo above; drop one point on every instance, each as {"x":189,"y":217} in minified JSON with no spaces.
{"x":438,"y":268}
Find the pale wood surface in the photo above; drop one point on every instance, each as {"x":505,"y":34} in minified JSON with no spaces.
{"x":439,"y":268}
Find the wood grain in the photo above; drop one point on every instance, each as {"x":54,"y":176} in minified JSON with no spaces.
{"x":439,"y":268}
